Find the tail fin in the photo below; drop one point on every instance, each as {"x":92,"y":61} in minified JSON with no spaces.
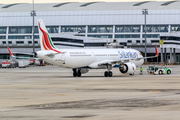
{"x":156,"y":50}
{"x":10,"y":51}
{"x":45,"y":39}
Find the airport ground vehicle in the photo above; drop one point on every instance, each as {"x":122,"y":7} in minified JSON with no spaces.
{"x":23,"y":63}
{"x":6,"y":64}
{"x":158,"y":70}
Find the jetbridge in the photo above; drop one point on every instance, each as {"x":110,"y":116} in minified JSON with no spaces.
{"x":170,"y":47}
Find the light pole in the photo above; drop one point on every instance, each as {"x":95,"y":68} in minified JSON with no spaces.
{"x":145,"y":12}
{"x":33,"y":13}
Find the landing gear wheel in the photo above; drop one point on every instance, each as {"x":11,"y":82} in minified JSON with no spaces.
{"x":110,"y":74}
{"x":79,"y":74}
{"x":74,"y":74}
{"x":106,"y":74}
{"x":168,"y":72}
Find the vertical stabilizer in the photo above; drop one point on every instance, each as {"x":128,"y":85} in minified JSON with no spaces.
{"x":156,"y":50}
{"x":10,"y":51}
{"x":45,"y":39}
{"x":12,"y":57}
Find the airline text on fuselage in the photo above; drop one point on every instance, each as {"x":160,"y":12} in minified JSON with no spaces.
{"x":128,"y":54}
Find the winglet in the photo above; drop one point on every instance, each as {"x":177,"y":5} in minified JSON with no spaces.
{"x":9,"y":51}
{"x":156,"y":50}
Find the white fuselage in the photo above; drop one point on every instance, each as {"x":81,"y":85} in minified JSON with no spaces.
{"x":77,"y":58}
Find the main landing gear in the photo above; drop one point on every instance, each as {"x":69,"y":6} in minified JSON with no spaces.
{"x":76,"y":72}
{"x":108,"y":73}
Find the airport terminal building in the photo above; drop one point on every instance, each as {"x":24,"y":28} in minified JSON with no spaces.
{"x":90,"y":25}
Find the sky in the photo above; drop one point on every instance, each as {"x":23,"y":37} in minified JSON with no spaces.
{"x":59,"y":1}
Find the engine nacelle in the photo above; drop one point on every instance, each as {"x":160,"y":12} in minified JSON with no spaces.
{"x":84,"y":70}
{"x":128,"y":68}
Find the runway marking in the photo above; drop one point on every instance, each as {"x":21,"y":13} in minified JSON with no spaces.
{"x":60,"y":94}
{"x":52,"y":94}
{"x":34,"y":79}
{"x":46,"y":93}
{"x":154,"y":91}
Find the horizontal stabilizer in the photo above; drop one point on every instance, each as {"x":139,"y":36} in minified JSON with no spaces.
{"x":52,"y":53}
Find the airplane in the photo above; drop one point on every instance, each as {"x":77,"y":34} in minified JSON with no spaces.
{"x":81,"y":60}
{"x":13,"y":57}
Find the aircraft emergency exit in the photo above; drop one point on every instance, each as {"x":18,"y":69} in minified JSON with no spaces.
{"x":81,"y":60}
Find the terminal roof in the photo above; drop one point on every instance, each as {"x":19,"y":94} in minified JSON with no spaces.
{"x":91,"y":6}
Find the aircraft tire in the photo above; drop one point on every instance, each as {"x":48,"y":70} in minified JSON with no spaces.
{"x":74,"y":74}
{"x":106,"y":74}
{"x":79,"y":74}
{"x":110,"y":74}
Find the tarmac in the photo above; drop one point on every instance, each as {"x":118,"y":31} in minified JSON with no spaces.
{"x":51,"y":93}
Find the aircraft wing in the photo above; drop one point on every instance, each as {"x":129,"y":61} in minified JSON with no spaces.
{"x":108,"y":62}
{"x":105,"y":62}
{"x":125,"y":60}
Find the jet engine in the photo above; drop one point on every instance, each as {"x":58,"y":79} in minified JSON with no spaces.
{"x":128,"y":68}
